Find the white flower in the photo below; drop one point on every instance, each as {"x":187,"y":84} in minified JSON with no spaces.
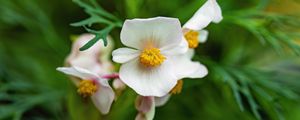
{"x":193,"y":34}
{"x":150,"y":66}
{"x":90,"y":70}
{"x":92,"y":85}
{"x":194,"y":29}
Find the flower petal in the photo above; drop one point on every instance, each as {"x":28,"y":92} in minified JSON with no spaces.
{"x":158,"y":31}
{"x":188,"y":69}
{"x":146,"y":116}
{"x":105,"y":51}
{"x":118,"y":84}
{"x":160,"y":101}
{"x":200,"y":72}
{"x":209,"y":12}
{"x":203,"y":34}
{"x":175,"y":49}
{"x":218,"y":12}
{"x":89,"y":59}
{"x":195,"y":23}
{"x":77,"y":72}
{"x":103,"y":98}
{"x":123,"y":55}
{"x":146,"y":107}
{"x":79,"y":42}
{"x":190,"y":53}
{"x":150,"y":115}
{"x":143,"y":103}
{"x":90,"y":63}
{"x":140,"y":116}
{"x":82,"y":40}
{"x":145,"y":81}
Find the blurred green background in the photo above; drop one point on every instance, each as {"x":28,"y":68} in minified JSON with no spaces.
{"x":252,"y":57}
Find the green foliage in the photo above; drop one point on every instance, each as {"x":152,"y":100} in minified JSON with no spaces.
{"x":252,"y":87}
{"x":278,"y":31}
{"x":29,"y":84}
{"x":97,"y":16}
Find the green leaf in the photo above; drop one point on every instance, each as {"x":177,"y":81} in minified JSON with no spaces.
{"x":97,"y":16}
{"x":98,"y":35}
{"x":90,"y":21}
{"x":91,"y":42}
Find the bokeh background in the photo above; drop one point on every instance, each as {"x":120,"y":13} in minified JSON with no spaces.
{"x":252,"y":57}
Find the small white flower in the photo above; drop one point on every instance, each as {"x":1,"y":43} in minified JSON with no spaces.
{"x":150,"y":66}
{"x":90,"y":70}
{"x":92,"y":85}
{"x":194,"y":29}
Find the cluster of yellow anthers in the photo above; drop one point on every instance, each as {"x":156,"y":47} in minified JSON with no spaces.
{"x":177,"y":89}
{"x":87,"y":88}
{"x":192,"y":38}
{"x":151,"y":57}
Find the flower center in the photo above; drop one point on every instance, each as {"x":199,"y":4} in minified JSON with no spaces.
{"x":178,"y":87}
{"x":87,"y":88}
{"x":151,"y":57}
{"x":191,"y":37}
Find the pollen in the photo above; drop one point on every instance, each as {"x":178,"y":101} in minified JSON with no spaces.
{"x":151,"y":57}
{"x":87,"y":88}
{"x":192,"y":38}
{"x":178,"y":87}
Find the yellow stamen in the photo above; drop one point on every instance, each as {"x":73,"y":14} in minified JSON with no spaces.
{"x":191,"y":37}
{"x":87,"y":88}
{"x":178,"y":87}
{"x":151,"y":57}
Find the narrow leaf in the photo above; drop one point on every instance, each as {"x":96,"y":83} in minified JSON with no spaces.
{"x":90,"y":43}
